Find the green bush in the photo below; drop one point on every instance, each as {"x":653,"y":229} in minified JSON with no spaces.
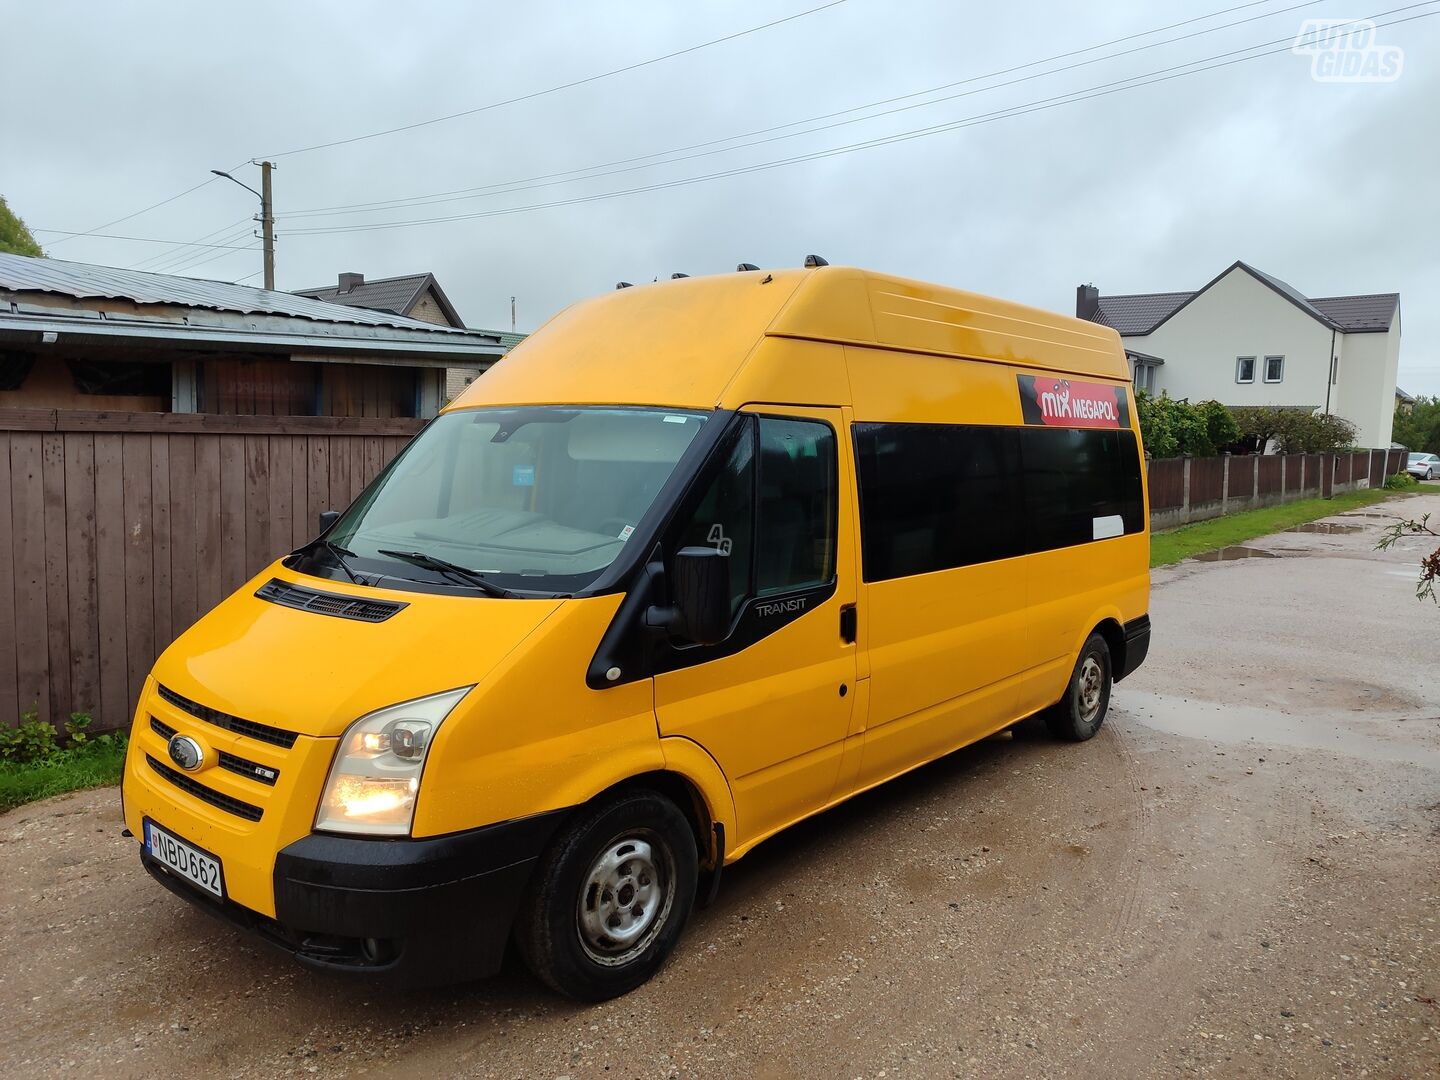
{"x":35,"y":763}
{"x":1295,"y":431}
{"x":1401,"y":482}
{"x":1173,"y":427}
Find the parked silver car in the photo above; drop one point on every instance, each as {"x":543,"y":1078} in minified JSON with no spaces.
{"x":1424,"y":466}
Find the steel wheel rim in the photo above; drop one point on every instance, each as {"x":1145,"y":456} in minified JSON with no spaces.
{"x":1091,"y":688}
{"x":625,"y":898}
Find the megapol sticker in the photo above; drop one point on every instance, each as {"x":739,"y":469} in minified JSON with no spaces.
{"x":1051,"y":402}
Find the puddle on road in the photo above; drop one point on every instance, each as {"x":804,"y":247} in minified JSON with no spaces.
{"x":1242,"y":725}
{"x":1235,"y":551}
{"x":1326,"y":527}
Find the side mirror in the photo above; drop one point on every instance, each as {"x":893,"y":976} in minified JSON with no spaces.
{"x":701,"y":588}
{"x":328,"y":518}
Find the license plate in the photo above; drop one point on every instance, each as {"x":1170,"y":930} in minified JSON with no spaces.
{"x":185,"y":859}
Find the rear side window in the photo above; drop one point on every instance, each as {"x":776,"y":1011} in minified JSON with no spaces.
{"x":939,"y":496}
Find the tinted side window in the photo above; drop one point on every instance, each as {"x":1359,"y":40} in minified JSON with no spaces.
{"x":936,"y":496}
{"x":1080,"y":485}
{"x":797,"y":503}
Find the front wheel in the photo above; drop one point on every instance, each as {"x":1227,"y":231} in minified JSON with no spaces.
{"x":610,"y":897}
{"x":1078,"y":715}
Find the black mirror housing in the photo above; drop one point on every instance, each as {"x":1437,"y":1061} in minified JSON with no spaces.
{"x":328,"y":518}
{"x":701,"y":592}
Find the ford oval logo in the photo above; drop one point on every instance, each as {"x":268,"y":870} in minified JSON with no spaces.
{"x":186,"y":752}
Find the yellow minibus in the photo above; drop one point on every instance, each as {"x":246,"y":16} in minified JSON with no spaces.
{"x":695,"y":561}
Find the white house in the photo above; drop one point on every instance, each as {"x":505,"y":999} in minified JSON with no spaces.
{"x":1248,"y":338}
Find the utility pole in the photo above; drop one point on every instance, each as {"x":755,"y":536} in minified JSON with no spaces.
{"x":267,"y":222}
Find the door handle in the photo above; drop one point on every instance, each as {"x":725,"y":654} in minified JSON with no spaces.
{"x":847,"y":623}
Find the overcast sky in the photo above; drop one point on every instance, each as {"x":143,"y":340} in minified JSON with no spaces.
{"x":1332,"y":187}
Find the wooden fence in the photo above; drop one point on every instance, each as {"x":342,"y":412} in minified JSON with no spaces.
{"x":1193,"y":489}
{"x":118,"y":530}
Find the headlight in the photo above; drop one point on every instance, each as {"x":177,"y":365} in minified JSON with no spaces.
{"x":377,"y":769}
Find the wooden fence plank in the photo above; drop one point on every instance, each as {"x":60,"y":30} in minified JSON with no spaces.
{"x":208,"y":574}
{"x":339,"y":473}
{"x":317,"y":481}
{"x":232,"y":513}
{"x":281,"y":524}
{"x":259,"y":548}
{"x":183,"y":612}
{"x":9,"y":695}
{"x":27,"y":508}
{"x":110,"y":546}
{"x":161,"y":518}
{"x":57,"y":572}
{"x":301,"y":524}
{"x":139,"y":566}
{"x":83,"y":589}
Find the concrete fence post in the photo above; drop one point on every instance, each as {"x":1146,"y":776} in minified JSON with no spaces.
{"x":1302,"y":475}
{"x":1225,"y":485}
{"x":1185,"y":491}
{"x":1255,"y":482}
{"x":1284,"y":461}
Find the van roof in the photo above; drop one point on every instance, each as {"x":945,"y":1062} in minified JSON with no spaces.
{"x":680,"y":343}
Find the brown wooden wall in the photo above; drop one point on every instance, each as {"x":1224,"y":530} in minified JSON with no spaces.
{"x":118,"y":530}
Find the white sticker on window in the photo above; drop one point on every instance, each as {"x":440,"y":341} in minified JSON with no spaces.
{"x":1105,"y":527}
{"x":676,"y":419}
{"x":626,"y":531}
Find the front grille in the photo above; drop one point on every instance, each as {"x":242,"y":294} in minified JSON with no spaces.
{"x":251,"y":770}
{"x":164,"y":730}
{"x":249,"y":728}
{"x":231,"y":805}
{"x":327,"y":603}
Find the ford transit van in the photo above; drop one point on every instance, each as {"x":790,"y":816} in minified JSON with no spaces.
{"x":695,"y":561}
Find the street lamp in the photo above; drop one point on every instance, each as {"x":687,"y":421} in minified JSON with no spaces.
{"x":267,"y":215}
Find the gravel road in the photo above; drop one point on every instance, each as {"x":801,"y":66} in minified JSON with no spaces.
{"x":1239,"y":877}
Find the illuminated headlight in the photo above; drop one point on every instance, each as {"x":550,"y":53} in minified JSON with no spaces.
{"x":377,"y":769}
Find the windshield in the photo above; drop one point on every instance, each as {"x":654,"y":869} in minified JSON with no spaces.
{"x":540,"y":497}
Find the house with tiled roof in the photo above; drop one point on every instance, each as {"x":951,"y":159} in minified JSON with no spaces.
{"x":1248,"y":338}
{"x":413,"y":296}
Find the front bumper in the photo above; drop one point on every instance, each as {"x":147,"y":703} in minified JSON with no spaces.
{"x":418,"y":912}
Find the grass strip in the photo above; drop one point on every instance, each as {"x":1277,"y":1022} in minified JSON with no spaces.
{"x":1172,"y":545}
{"x":72,"y":770}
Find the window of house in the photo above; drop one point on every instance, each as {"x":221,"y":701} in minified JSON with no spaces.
{"x":1245,"y":369}
{"x":1274,"y":368}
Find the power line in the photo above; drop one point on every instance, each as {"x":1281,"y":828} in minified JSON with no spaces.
{"x":556,"y":89}
{"x":1039,"y":105}
{"x":154,"y":206}
{"x":166,"y":256}
{"x":218,"y":255}
{"x":135,"y":239}
{"x":174,"y":264}
{"x":678,"y":154}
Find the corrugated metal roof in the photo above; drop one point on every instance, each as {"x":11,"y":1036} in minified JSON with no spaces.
{"x":1371,"y":311}
{"x":389,"y":294}
{"x":20,"y":273}
{"x":1139,"y":313}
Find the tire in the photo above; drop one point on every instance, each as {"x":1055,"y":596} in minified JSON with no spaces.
{"x":575,"y":930}
{"x":1078,"y":715}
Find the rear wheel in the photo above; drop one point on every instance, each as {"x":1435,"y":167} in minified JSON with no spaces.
{"x":609,"y":899}
{"x":1078,"y":715}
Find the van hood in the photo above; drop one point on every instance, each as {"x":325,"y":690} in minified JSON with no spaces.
{"x":315,"y":674}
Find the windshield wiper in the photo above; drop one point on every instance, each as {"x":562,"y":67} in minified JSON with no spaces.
{"x":455,"y":570}
{"x":338,"y":553}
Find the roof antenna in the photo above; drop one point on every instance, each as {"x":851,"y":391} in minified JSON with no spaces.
{"x":623,"y":284}
{"x":812,"y":261}
{"x":745,"y":266}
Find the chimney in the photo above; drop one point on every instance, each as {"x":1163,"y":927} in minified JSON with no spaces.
{"x":1087,"y":302}
{"x":349,"y":281}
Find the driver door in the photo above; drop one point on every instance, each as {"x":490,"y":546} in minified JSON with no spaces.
{"x":772,"y":702}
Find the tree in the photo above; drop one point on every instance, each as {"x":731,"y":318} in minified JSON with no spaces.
{"x":1171,"y":427}
{"x":1429,"y":564}
{"x":1420,"y":428}
{"x":14,"y":236}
